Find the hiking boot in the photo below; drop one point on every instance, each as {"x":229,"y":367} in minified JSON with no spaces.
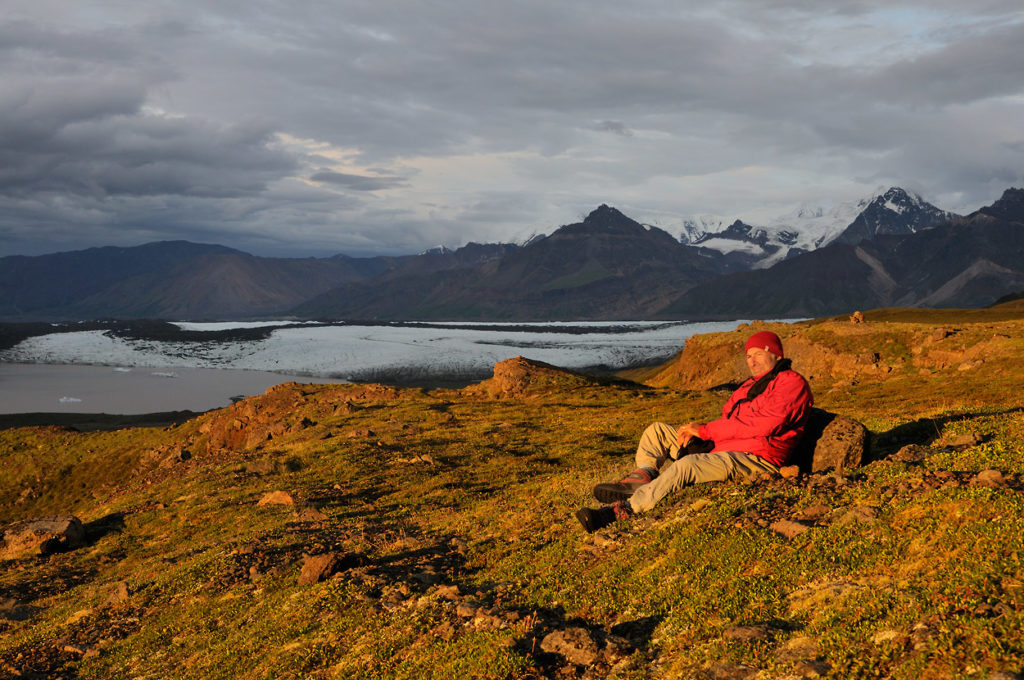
{"x":609,"y":492}
{"x":593,"y":519}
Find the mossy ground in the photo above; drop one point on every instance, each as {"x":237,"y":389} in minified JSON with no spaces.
{"x":423,"y":490}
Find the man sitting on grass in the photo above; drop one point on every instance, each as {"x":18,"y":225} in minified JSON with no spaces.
{"x":761,"y":425}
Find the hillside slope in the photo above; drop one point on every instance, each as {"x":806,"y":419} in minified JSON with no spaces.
{"x":361,"y":531}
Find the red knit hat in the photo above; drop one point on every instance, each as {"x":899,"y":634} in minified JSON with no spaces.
{"x":765,"y":340}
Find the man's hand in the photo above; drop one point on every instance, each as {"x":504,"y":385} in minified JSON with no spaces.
{"x":685,"y":433}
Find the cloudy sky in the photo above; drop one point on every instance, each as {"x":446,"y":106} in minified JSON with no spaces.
{"x":308,"y":128}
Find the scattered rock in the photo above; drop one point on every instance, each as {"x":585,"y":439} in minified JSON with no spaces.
{"x":911,"y":453}
{"x":575,"y":644}
{"x":316,"y":568}
{"x":752,"y":633}
{"x":857,"y":317}
{"x":1005,"y":675}
{"x":44,"y":536}
{"x":814,"y":513}
{"x":992,"y":479}
{"x":276,"y":498}
{"x":789,"y":528}
{"x":466,"y":610}
{"x":790,"y":471}
{"x":119,"y":593}
{"x":965,"y":440}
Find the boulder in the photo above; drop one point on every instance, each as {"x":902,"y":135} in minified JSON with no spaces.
{"x":832,"y":442}
{"x":520,"y":377}
{"x":575,"y":644}
{"x":316,"y":568}
{"x":42,"y":536}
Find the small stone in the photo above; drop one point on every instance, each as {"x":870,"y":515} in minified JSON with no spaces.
{"x":911,"y":453}
{"x":575,"y":644}
{"x":815,"y":512}
{"x":789,"y":528}
{"x":317,"y":568}
{"x":466,"y":610}
{"x":119,"y":593}
{"x":276,"y":498}
{"x":965,"y":440}
{"x":993,"y":479}
{"x":790,"y":471}
{"x":447,"y":592}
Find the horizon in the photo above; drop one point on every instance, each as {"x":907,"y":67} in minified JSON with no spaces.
{"x":725,"y":220}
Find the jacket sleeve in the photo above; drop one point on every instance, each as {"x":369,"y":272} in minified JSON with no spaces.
{"x":776,"y":410}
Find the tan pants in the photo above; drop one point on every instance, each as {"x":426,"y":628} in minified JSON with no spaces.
{"x":658,"y":449}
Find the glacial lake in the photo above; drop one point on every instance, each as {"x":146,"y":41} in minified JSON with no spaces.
{"x":97,"y":372}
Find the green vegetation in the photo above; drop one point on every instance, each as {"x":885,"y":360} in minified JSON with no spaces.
{"x":450,"y":515}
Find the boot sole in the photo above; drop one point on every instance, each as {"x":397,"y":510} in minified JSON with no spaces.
{"x":611,"y":492}
{"x":586,"y":518}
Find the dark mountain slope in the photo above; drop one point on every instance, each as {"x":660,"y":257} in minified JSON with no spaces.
{"x":31,"y":286}
{"x":607,"y":266}
{"x":224,"y":286}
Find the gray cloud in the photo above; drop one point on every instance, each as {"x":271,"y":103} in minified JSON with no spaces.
{"x":362,"y":127}
{"x":357,"y":182}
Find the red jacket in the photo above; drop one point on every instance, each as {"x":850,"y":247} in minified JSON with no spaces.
{"x":770,"y":425}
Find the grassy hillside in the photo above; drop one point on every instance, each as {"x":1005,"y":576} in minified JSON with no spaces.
{"x":445,"y":522}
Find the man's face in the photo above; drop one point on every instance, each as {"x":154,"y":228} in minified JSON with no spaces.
{"x":760,"y":361}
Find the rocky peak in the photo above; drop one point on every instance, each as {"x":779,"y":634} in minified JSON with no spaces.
{"x":894,"y":212}
{"x":608,"y":219}
{"x":1009,"y":207}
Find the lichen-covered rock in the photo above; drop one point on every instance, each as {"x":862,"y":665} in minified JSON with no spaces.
{"x":832,"y":442}
{"x":45,"y":536}
{"x":575,"y":644}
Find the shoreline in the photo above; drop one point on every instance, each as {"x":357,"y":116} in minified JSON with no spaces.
{"x":92,"y":422}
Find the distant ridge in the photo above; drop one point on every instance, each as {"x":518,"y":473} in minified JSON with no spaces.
{"x":894,"y":249}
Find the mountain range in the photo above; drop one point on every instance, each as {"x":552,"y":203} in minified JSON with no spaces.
{"x":891,"y":249}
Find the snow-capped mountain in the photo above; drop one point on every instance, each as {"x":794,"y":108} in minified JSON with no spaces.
{"x":809,"y":227}
{"x":895,"y":212}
